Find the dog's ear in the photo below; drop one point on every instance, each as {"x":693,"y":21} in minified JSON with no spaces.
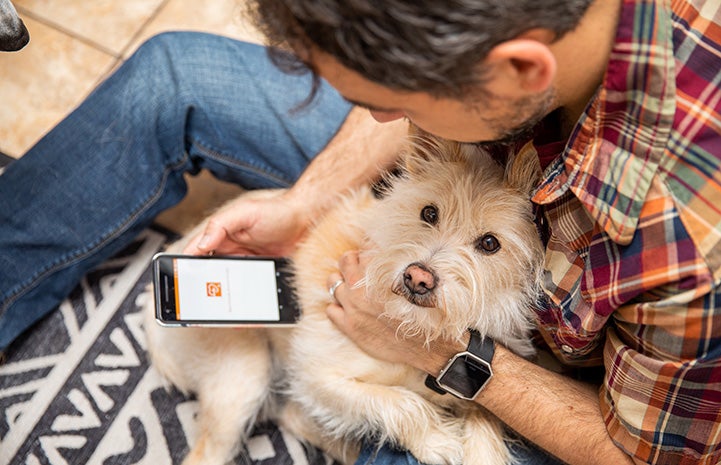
{"x":423,"y":146}
{"x":523,"y":170}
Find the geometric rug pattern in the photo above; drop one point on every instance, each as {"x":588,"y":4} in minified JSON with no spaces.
{"x":77,"y":388}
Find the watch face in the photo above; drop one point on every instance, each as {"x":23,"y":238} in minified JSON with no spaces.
{"x":465,"y":376}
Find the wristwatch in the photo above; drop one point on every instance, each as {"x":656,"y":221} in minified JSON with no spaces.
{"x":467,"y":372}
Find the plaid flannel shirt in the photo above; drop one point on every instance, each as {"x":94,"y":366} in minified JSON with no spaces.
{"x":633,"y":260}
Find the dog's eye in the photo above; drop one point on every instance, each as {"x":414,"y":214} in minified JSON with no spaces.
{"x":488,"y":244}
{"x":429,"y":214}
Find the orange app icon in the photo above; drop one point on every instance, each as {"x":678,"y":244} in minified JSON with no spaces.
{"x":213,"y":289}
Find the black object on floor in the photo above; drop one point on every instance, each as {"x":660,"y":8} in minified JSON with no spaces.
{"x":5,"y":160}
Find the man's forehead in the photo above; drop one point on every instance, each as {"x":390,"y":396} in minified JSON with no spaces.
{"x":368,"y":105}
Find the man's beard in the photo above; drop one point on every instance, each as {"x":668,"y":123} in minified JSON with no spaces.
{"x":522,"y":131}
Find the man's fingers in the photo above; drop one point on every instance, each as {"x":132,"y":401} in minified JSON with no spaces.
{"x":336,"y":314}
{"x":207,"y":241}
{"x":349,"y":258}
{"x":333,"y":284}
{"x":191,"y":247}
{"x":350,"y":266}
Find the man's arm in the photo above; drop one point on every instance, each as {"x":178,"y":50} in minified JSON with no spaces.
{"x":273,"y":225}
{"x":559,"y":414}
{"x":362,"y":148}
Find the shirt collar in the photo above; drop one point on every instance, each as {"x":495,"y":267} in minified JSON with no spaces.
{"x":614,"y":150}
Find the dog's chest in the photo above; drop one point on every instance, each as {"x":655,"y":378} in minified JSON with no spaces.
{"x":317,"y":348}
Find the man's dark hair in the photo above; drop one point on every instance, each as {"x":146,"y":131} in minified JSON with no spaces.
{"x":433,"y":46}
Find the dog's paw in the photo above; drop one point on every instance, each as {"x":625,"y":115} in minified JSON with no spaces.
{"x":437,"y":447}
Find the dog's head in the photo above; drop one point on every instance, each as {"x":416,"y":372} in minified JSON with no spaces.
{"x":13,"y":33}
{"x":453,"y":244}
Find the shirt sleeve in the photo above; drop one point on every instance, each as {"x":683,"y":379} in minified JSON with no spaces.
{"x":661,"y":397}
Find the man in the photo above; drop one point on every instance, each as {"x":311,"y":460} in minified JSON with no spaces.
{"x":630,"y":204}
{"x":633,"y":261}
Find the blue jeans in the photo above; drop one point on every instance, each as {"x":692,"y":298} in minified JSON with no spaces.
{"x":523,"y":454}
{"x":183,"y":102}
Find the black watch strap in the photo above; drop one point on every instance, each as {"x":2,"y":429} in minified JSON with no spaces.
{"x":481,"y":347}
{"x":432,"y":384}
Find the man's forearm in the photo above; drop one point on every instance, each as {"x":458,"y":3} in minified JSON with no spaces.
{"x":356,"y":155}
{"x":558,"y":414}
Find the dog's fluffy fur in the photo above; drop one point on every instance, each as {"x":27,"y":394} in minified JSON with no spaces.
{"x":333,"y":394}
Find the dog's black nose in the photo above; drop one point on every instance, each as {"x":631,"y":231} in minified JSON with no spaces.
{"x":418,"y":279}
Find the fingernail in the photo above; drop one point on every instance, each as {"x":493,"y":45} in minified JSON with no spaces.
{"x":204,"y":242}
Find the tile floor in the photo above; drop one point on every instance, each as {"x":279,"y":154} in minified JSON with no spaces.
{"x":74,"y":44}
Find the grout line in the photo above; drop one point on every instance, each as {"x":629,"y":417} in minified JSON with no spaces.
{"x":119,"y":59}
{"x":140,"y":30}
{"x":90,"y":43}
{"x":107,"y":72}
{"x":66,"y":31}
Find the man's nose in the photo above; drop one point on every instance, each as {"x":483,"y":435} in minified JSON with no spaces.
{"x":386,"y":116}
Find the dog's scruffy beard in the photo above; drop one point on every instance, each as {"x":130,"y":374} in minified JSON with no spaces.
{"x":490,"y":289}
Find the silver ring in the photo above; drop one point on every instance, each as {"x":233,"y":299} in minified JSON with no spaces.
{"x":332,"y":289}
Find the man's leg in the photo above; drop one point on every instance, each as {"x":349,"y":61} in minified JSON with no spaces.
{"x":183,"y":102}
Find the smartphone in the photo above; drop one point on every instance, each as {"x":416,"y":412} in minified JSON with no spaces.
{"x":223,"y":291}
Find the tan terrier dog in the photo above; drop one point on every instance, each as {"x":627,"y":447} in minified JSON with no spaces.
{"x":451,"y":245}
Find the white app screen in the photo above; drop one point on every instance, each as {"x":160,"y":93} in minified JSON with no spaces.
{"x":222,"y":289}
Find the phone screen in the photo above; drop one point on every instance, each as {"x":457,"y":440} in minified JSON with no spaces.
{"x":223,"y":290}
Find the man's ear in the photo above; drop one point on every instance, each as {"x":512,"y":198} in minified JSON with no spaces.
{"x":525,"y":63}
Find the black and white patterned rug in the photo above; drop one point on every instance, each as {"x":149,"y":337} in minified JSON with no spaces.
{"x":77,"y":389}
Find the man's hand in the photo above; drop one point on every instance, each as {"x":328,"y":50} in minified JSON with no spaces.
{"x":268,"y":225}
{"x":363,"y":322}
{"x":274,"y":225}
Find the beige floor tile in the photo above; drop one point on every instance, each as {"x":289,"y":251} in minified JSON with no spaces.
{"x":42,"y":83}
{"x":111,"y":24}
{"x":224,"y":17}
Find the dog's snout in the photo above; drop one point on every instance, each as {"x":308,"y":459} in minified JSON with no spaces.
{"x":418,"y":279}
